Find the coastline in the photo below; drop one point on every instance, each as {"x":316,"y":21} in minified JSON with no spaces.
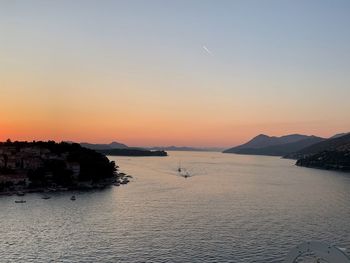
{"x":118,"y":180}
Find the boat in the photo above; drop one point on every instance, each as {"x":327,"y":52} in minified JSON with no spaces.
{"x":184,"y":173}
{"x":20,"y":201}
{"x":73,"y":198}
{"x":46,"y":197}
{"x":20,"y":193}
{"x":125,"y":181}
{"x":179,"y":169}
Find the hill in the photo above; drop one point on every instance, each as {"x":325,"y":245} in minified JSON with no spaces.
{"x":339,"y":135}
{"x":112,"y":145}
{"x":329,"y":160}
{"x":275,"y":146}
{"x":120,"y":149}
{"x":132,"y":152}
{"x":332,"y":144}
{"x":49,"y":164}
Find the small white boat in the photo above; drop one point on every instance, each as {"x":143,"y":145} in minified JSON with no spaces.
{"x":73,"y":198}
{"x":20,"y":201}
{"x":20,"y":193}
{"x":184,"y":173}
{"x":179,"y":169}
{"x":46,"y":197}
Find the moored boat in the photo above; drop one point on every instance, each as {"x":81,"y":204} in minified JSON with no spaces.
{"x":20,"y":201}
{"x":46,"y":197}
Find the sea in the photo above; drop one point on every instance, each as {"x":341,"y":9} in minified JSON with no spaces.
{"x":231,"y":208}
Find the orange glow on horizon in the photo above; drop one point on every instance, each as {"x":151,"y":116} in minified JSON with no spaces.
{"x":141,"y":76}
{"x":141,"y":134}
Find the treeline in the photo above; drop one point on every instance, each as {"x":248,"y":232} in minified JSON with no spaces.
{"x":55,"y":168}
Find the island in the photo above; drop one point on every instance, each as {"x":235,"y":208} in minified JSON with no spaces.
{"x":132,"y":152}
{"x":121,"y":149}
{"x":49,"y":166}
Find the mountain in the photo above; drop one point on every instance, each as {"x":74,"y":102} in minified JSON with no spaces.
{"x":120,"y":149}
{"x":132,"y":152}
{"x":332,"y":154}
{"x":112,"y":145}
{"x":332,"y":144}
{"x":275,"y":146}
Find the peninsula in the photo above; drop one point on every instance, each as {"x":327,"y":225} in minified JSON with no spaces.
{"x":120,"y":149}
{"x":40,"y":166}
{"x":132,"y":152}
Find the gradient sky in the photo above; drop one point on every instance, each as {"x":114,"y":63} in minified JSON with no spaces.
{"x":198,"y":73}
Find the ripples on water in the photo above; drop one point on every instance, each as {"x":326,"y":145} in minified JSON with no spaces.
{"x":234,"y":209}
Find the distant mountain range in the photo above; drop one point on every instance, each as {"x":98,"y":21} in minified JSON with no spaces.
{"x":120,"y":149}
{"x":310,"y":151}
{"x":275,"y":146}
{"x":118,"y":145}
{"x":132,"y":152}
{"x":112,"y":145}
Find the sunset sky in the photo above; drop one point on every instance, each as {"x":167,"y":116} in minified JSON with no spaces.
{"x":195,"y":73}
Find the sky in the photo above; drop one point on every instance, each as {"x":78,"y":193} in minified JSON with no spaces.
{"x":195,"y":73}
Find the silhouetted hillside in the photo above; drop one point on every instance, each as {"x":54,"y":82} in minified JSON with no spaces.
{"x":329,"y":160}
{"x":339,"y":135}
{"x":275,"y":146}
{"x":332,"y":144}
{"x":112,"y":145}
{"x":332,"y":154}
{"x":49,"y":164}
{"x":132,"y":152}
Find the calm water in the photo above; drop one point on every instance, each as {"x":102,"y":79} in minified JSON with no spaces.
{"x":235,"y":208}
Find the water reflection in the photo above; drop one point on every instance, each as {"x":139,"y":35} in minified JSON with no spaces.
{"x":233,"y":209}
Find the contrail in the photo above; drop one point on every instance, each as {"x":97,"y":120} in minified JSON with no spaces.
{"x":207,"y":50}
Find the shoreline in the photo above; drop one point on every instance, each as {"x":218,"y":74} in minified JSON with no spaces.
{"x":118,"y":180}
